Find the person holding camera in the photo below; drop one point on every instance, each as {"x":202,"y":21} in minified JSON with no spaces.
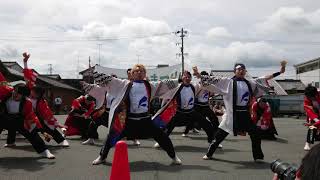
{"x":308,"y":170}
{"x":311,"y":106}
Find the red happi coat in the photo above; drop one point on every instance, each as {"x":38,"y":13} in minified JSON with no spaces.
{"x":5,"y":89}
{"x":77,"y":105}
{"x":311,"y":109}
{"x":98,"y":113}
{"x":42,"y":109}
{"x":30,"y":119}
{"x":266,"y":121}
{"x":45,"y":114}
{"x":30,"y":77}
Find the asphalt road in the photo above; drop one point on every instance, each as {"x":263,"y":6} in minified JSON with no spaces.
{"x":232,"y":162}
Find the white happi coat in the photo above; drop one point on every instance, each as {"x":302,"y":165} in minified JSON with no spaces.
{"x":224,"y":86}
{"x":118,"y":89}
{"x":169,"y":95}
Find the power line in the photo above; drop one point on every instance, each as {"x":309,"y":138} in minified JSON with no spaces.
{"x":250,"y":39}
{"x":46,"y":39}
{"x":99,"y":39}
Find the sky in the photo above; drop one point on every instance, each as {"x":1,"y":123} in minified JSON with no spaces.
{"x":219,"y":33}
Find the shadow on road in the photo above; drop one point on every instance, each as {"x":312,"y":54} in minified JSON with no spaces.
{"x":29,"y":148}
{"x":25,"y":163}
{"x":281,"y":140}
{"x":152,"y":166}
{"x":246,"y":164}
{"x":198,"y":137}
{"x":202,"y":149}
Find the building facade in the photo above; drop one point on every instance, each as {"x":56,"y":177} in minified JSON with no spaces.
{"x":54,"y":88}
{"x":309,"y":72}
{"x":154,"y":74}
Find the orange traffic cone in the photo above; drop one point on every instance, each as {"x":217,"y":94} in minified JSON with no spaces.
{"x":120,"y":165}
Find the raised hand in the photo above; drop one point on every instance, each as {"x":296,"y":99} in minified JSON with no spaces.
{"x":283,"y":66}
{"x":26,"y":56}
{"x":196,"y":71}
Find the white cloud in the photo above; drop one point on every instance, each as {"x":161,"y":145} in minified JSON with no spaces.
{"x":258,"y":54}
{"x":8,"y":52}
{"x":218,"y":33}
{"x":128,"y":27}
{"x":208,"y":22}
{"x":291,"y":20}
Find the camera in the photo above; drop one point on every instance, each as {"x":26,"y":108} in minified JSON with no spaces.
{"x":284,"y":170}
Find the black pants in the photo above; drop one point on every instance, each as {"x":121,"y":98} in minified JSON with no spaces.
{"x":94,"y":124}
{"x":312,"y":136}
{"x":188,"y":119}
{"x":268,"y":134}
{"x":14,"y":123}
{"x":142,"y":129}
{"x":57,"y":136}
{"x":206,"y":112}
{"x":83,"y":125}
{"x":246,"y":126}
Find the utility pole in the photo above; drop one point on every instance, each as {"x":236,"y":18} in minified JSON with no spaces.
{"x":50,"y":69}
{"x":138,"y":55}
{"x":77,"y":67}
{"x":91,"y":79}
{"x":182,"y":33}
{"x":99,"y":45}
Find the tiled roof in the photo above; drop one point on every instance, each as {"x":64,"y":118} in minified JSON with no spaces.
{"x":54,"y":76}
{"x":56,"y":83}
{"x":307,"y":62}
{"x":43,"y":78}
{"x":290,"y":84}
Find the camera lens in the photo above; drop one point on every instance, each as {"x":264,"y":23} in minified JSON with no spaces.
{"x":284,"y":170}
{"x":279,"y":167}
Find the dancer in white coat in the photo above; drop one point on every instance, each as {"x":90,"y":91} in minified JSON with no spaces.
{"x":237,"y":94}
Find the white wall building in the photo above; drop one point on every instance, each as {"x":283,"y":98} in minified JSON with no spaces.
{"x":309,"y":72}
{"x":154,"y":74}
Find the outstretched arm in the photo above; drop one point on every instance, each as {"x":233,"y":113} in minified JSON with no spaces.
{"x":46,"y":114}
{"x":282,"y":70}
{"x":213,"y":84}
{"x":26,"y":57}
{"x":29,"y":75}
